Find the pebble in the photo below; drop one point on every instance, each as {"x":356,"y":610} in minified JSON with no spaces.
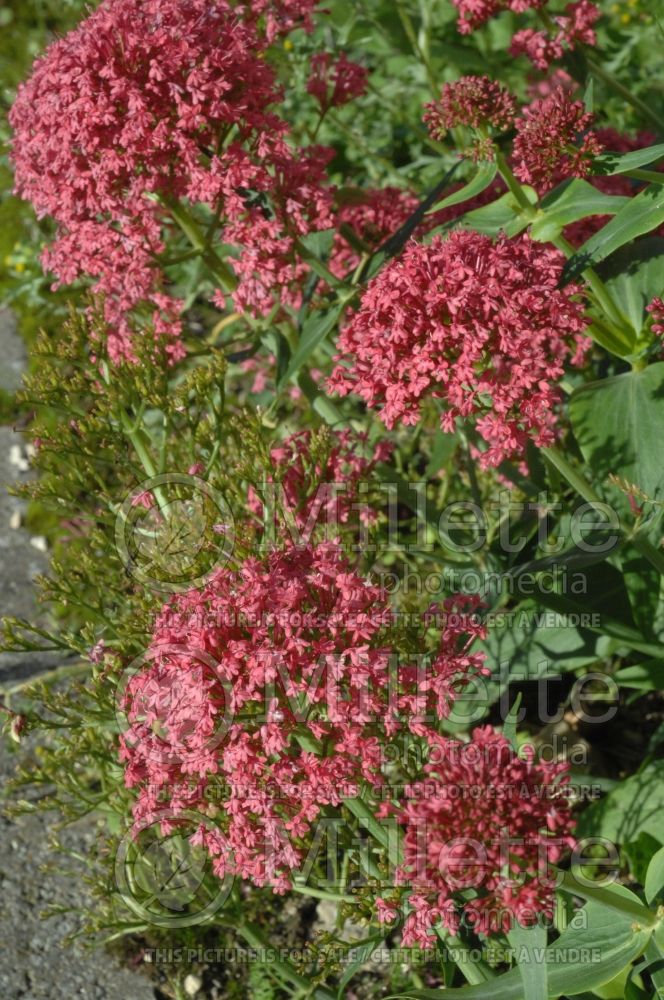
{"x":15,"y":520}
{"x":18,"y":459}
{"x":192,"y":985}
{"x":39,"y":542}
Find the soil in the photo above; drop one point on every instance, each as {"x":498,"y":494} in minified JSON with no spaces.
{"x":33,"y":963}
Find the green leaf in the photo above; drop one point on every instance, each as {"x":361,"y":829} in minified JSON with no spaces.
{"x":634,"y":276}
{"x":501,"y":215}
{"x":619,"y":425}
{"x":485,"y":174}
{"x":609,"y":164}
{"x":530,"y":943}
{"x":643,"y":585}
{"x":532,"y":637}
{"x":573,"y":200}
{"x":608,"y":935}
{"x":635,"y":805}
{"x":314,"y":332}
{"x":443,"y":447}
{"x":655,"y":876}
{"x":511,"y":721}
{"x":640,"y":853}
{"x":319,"y":243}
{"x":640,"y":215}
{"x":647,"y":676}
{"x":364,"y":951}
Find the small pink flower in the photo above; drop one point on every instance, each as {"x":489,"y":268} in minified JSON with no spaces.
{"x":144,"y":499}
{"x":96,"y":654}
{"x":334,"y":83}
{"x":387,"y":913}
{"x":479,"y":325}
{"x":474,"y":101}
{"x":483,"y":819}
{"x":553,"y":140}
{"x":575,"y":27}
{"x":656,"y":310}
{"x":273,"y":683}
{"x":474,"y":13}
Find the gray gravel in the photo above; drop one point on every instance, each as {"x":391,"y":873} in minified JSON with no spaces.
{"x":33,"y":963}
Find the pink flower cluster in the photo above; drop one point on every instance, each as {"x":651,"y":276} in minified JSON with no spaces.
{"x":371,"y":215}
{"x":149,"y":102}
{"x":486,"y":820}
{"x":324,"y":492}
{"x":279,"y":16}
{"x":576,"y":27}
{"x":473,"y":101}
{"x":479,"y":325}
{"x":265,"y":693}
{"x":474,"y":13}
{"x":374,"y":214}
{"x":335,"y":82}
{"x":553,"y":140}
{"x":656,"y":310}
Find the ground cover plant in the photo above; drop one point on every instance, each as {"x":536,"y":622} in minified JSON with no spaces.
{"x":346,"y":414}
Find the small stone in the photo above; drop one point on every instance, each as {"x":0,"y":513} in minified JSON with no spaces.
{"x":39,"y":542}
{"x":15,"y":520}
{"x":17,"y":459}
{"x":192,"y":985}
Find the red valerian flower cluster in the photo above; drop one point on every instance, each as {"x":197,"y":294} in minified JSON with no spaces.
{"x":474,"y":13}
{"x":279,"y":16}
{"x":481,"y":326}
{"x":265,"y":693}
{"x":553,"y":140}
{"x":473,"y":101}
{"x":371,"y":215}
{"x":324,"y":492}
{"x":656,"y":310}
{"x":486,"y":820}
{"x":335,"y":82}
{"x":150,"y":102}
{"x":576,"y":27}
{"x":367,"y":217}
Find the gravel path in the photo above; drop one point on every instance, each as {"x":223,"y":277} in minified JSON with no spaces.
{"x":33,"y":964}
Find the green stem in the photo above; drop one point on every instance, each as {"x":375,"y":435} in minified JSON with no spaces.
{"x":596,"y":285}
{"x":48,"y":677}
{"x":409,"y":29}
{"x":280,"y":968}
{"x":316,"y":264}
{"x":135,"y":436}
{"x":654,"y":555}
{"x":515,"y":188}
{"x":196,"y":237}
{"x":306,"y":890}
{"x":619,"y":88}
{"x":641,"y":914}
{"x":574,"y":478}
{"x":388,"y":839}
